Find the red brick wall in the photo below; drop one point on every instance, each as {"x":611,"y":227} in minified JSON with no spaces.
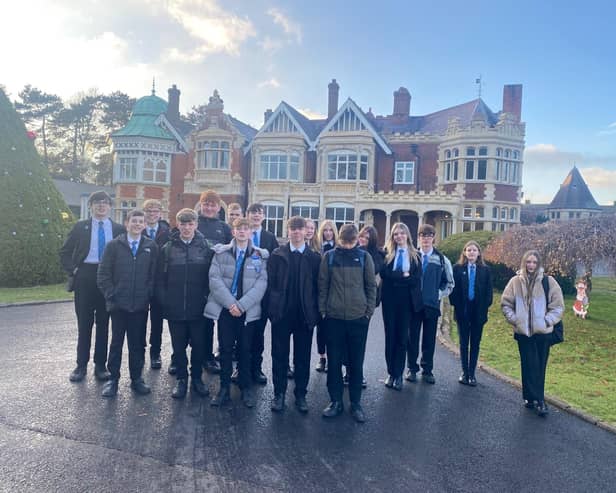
{"x":128,"y":191}
{"x":153,"y":192}
{"x":475,"y":191}
{"x":427,"y":166}
{"x":384,"y":170}
{"x":506,"y":193}
{"x":310,"y":171}
{"x":179,"y":167}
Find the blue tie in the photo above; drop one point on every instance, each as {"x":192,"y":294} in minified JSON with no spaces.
{"x":399,"y":260}
{"x":133,"y":247}
{"x":255,"y":239}
{"x":424,"y":262}
{"x":471,"y":283}
{"x":152,"y":233}
{"x":236,"y":275}
{"x":101,"y":239}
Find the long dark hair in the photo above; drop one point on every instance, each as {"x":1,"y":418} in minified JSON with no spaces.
{"x":373,"y":237}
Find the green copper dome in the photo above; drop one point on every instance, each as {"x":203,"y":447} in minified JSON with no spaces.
{"x":150,"y":105}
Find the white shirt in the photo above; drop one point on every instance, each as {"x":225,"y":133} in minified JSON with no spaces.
{"x":92,"y":257}
{"x":300,"y":249}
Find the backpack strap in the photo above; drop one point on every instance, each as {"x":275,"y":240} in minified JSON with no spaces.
{"x":546,"y":290}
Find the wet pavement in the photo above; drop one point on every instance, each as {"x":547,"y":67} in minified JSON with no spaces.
{"x":60,"y":436}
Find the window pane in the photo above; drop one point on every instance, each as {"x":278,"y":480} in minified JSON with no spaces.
{"x":483,"y":151}
{"x":470,"y":169}
{"x":482,"y":167}
{"x":470,"y":151}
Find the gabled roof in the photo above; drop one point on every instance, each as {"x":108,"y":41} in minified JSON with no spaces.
{"x":437,"y":122}
{"x":574,"y":194}
{"x":304,"y":126}
{"x":351,"y":106}
{"x":246,"y":130}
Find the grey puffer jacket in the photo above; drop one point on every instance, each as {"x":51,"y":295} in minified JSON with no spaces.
{"x":526,"y":311}
{"x":254,"y":281}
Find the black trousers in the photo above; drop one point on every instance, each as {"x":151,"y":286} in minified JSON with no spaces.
{"x":156,"y":328}
{"x":350,"y":335}
{"x":423,"y":323}
{"x":208,"y":340}
{"x":302,"y":348}
{"x":534,"y":354}
{"x":397,"y":314}
{"x":235,"y":332}
{"x":90,"y":305}
{"x":258,"y":344}
{"x":184,"y":332}
{"x":133,"y":326}
{"x":321,"y":338}
{"x":470,"y":332}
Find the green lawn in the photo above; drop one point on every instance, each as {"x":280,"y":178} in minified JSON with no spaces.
{"x":35,"y":293}
{"x":582,"y":370}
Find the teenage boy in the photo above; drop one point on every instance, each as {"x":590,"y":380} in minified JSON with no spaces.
{"x":80,"y":255}
{"x":437,"y":282}
{"x":126,"y":278}
{"x":263,"y":239}
{"x":182,"y":287}
{"x":215,"y":232}
{"x":234,"y":211}
{"x":156,"y":229}
{"x":293,"y":308}
{"x":238,"y":280}
{"x":347,"y":296}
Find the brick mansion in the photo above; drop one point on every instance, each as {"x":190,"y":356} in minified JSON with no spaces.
{"x":459,"y":168}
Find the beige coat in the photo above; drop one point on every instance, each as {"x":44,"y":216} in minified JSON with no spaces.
{"x":526,"y":312}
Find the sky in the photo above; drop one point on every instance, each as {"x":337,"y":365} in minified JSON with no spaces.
{"x":258,"y":53}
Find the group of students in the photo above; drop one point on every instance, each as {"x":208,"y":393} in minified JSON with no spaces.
{"x":206,"y":271}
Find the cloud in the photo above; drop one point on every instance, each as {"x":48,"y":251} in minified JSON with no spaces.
{"x":609,"y":130}
{"x":599,"y":178}
{"x":549,"y":156}
{"x":273,"y":82}
{"x":313,"y":115}
{"x":290,"y":27}
{"x":270,"y":45}
{"x":214,"y":30}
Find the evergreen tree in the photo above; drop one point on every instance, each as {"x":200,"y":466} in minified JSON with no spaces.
{"x":35,"y":218}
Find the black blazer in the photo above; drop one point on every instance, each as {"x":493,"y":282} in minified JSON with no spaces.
{"x":162,"y":233}
{"x":394,"y":280}
{"x":77,"y":244}
{"x":268,"y":241}
{"x":278,"y":282}
{"x":483,"y":291}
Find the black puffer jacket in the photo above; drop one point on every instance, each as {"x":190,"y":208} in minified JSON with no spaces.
{"x":127,"y":282}
{"x":214,"y":230}
{"x":182,"y":283}
{"x":278,"y":284}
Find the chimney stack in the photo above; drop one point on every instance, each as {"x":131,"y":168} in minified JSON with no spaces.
{"x":512,"y":100}
{"x":266,"y":115}
{"x":402,"y":102}
{"x":332,"y":100}
{"x":173,"y":106}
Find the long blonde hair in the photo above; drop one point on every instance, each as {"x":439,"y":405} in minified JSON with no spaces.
{"x":325,"y":224}
{"x":315,"y":242}
{"x":391,"y":245}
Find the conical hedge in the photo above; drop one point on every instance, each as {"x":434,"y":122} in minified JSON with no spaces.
{"x":34,"y":219}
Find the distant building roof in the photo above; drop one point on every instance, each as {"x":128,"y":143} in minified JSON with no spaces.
{"x":73,"y":191}
{"x":574,"y":194}
{"x":246,"y":130}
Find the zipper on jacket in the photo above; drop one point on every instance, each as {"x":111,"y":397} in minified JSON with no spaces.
{"x":134,"y":278}
{"x":185,"y":275}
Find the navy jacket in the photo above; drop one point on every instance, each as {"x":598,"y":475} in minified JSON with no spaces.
{"x":127,"y":282}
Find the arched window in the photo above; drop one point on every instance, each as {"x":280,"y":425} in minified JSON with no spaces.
{"x":161,"y":172}
{"x":341,"y":213}
{"x":447,"y":154}
{"x":148,"y":170}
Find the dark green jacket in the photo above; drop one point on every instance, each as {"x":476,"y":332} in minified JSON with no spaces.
{"x":347,"y":284}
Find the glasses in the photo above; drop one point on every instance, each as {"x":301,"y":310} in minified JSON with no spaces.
{"x":427,"y":235}
{"x":100,"y":202}
{"x":152,"y":211}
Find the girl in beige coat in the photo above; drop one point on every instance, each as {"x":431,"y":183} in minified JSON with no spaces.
{"x":524,"y":305}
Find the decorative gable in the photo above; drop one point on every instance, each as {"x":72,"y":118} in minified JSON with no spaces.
{"x":281,"y":123}
{"x":348,"y":121}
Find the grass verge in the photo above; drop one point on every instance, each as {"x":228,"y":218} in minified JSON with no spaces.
{"x":581,"y":370}
{"x":35,"y":293}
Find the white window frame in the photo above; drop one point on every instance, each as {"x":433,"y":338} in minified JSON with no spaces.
{"x":407,"y":168}
{"x":340,"y":212}
{"x":208,"y":156}
{"x":347,"y":159}
{"x":273,"y":218}
{"x":287,"y":166}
